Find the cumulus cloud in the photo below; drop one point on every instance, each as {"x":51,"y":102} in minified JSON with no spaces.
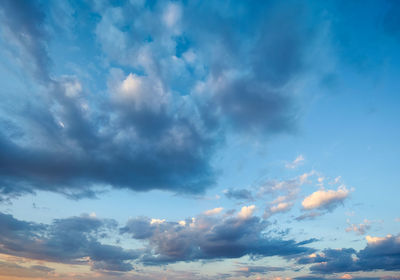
{"x":380,"y":253}
{"x":322,"y":201}
{"x":71,"y":240}
{"x":246,"y":211}
{"x":209,"y":237}
{"x":325,"y":199}
{"x":168,"y":101}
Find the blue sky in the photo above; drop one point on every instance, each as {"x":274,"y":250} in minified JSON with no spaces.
{"x":199,"y":139}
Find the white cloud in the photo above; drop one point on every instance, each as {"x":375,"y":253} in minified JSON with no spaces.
{"x":377,"y":240}
{"x":157,"y":221}
{"x":213,"y":211}
{"x":281,"y":207}
{"x":325,"y":198}
{"x":246,"y":211}
{"x":295,"y":163}
{"x":139,"y":91}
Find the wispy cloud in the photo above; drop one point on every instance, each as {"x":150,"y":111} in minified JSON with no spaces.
{"x":296,"y":162}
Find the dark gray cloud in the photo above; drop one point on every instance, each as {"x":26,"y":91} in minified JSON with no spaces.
{"x":251,"y":270}
{"x":240,"y":194}
{"x":23,"y":21}
{"x":309,"y":216}
{"x":65,"y":240}
{"x":163,"y":133}
{"x":207,"y":238}
{"x":380,"y":253}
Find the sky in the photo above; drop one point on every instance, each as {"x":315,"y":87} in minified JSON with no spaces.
{"x":144,"y":139}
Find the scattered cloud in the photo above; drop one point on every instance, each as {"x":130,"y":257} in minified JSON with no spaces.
{"x":213,"y":211}
{"x":325,"y":199}
{"x":280,"y":207}
{"x":240,"y":194}
{"x":380,"y":253}
{"x":246,"y":211}
{"x":295,"y":163}
{"x":72,"y":240}
{"x":360,"y":229}
{"x":208,"y":237}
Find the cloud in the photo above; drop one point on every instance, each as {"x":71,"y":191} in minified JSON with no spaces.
{"x":281,"y":207}
{"x":71,"y":240}
{"x":154,"y":120}
{"x":246,"y":211}
{"x":325,"y":199}
{"x":322,"y":201}
{"x":360,"y":229}
{"x":209,"y":237}
{"x":295,"y":163}
{"x":290,"y":188}
{"x":213,"y":211}
{"x":251,"y":270}
{"x":309,"y":216}
{"x":380,"y":253}
{"x":240,"y":194}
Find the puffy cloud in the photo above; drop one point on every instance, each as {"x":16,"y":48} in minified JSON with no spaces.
{"x":157,"y":125}
{"x":246,"y":211}
{"x":209,"y":237}
{"x":325,"y":199}
{"x":380,"y":253}
{"x":70,"y":240}
{"x":322,"y":201}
